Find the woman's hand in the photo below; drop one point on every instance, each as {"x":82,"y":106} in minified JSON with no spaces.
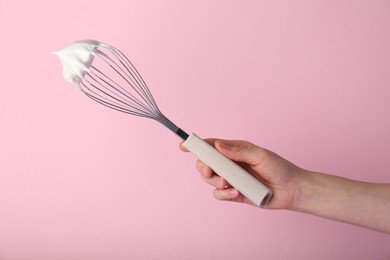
{"x":278,"y":174}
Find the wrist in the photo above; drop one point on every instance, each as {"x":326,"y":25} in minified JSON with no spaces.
{"x":303,"y":188}
{"x":322,"y":194}
{"x":314,"y":191}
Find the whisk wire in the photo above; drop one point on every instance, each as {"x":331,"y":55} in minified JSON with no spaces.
{"x":129,"y":66}
{"x":109,"y":88}
{"x":129,"y":76}
{"x":94,"y":89}
{"x":119,"y":92}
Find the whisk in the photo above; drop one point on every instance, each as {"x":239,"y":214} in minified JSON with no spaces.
{"x":106,"y":75}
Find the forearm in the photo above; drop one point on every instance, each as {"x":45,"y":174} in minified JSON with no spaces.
{"x":345,"y":200}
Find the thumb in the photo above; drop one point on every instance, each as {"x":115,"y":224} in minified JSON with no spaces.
{"x":239,"y":151}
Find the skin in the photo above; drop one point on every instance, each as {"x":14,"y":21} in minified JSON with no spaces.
{"x":333,"y":197}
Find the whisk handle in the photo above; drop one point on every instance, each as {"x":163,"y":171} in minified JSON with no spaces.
{"x":236,"y":176}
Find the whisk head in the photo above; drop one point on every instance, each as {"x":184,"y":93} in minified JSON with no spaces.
{"x":106,"y":75}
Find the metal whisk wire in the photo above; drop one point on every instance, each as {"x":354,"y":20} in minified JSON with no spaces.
{"x":109,"y":90}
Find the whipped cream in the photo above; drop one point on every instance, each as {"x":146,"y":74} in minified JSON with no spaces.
{"x":76,"y":59}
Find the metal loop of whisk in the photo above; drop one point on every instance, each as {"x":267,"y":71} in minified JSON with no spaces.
{"x":108,"y":88}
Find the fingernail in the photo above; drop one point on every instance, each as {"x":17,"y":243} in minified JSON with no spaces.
{"x":233,"y":192}
{"x":204,"y":171}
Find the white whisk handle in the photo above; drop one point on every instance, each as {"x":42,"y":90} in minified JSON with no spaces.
{"x":240,"y":179}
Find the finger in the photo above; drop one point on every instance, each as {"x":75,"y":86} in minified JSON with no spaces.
{"x":240,"y":151}
{"x":216,"y":181}
{"x":212,"y":141}
{"x":181,"y":146}
{"x":203,"y":169}
{"x":237,"y":150}
{"x":210,"y":177}
{"x":231,"y":194}
{"x":226,"y":194}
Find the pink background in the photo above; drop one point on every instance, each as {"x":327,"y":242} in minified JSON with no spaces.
{"x":307,"y":79}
